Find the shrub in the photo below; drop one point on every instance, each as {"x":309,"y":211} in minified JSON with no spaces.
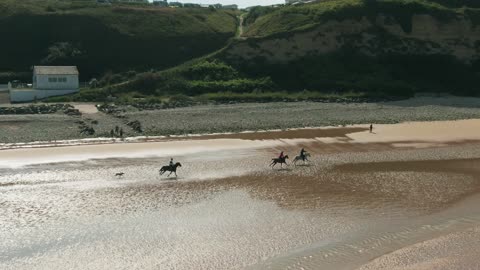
{"x":211,"y":71}
{"x":145,"y":83}
{"x":179,"y":101}
{"x":90,"y":95}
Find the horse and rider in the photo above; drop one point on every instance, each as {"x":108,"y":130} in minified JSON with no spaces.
{"x":282,"y":158}
{"x":172,"y":168}
{"x":304,"y":155}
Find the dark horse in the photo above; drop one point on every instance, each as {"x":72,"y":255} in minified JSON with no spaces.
{"x":304,"y":158}
{"x":279,"y":160}
{"x":171,"y":169}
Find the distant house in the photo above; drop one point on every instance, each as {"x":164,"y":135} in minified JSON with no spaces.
{"x":161,"y":3}
{"x":55,"y":77}
{"x":48,"y":81}
{"x":191,"y":5}
{"x":217,"y":6}
{"x":175,"y":4}
{"x":229,"y":7}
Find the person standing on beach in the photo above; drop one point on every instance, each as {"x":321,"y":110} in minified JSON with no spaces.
{"x":371,"y":128}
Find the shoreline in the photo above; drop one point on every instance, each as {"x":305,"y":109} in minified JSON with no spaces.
{"x":320,"y":141}
{"x":440,"y":133}
{"x":170,"y":138}
{"x":224,"y":119}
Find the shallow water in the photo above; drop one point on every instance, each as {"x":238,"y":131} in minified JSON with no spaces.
{"x":228,"y":210}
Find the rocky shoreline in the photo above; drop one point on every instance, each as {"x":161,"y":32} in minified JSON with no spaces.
{"x":63,"y":122}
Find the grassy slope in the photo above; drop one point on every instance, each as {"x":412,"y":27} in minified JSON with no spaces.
{"x":345,"y":73}
{"x":346,"y":69}
{"x":104,"y":38}
{"x":304,"y":17}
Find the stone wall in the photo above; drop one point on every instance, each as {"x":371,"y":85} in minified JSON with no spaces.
{"x":28,"y":95}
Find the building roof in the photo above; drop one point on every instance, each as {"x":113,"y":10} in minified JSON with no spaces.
{"x":55,"y":70}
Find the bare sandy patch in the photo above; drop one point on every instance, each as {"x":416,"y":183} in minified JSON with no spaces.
{"x":434,"y":132}
{"x":86,"y":108}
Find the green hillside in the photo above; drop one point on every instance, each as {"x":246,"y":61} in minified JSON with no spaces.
{"x":329,"y":50}
{"x":304,"y":17}
{"x":388,"y":47}
{"x":101,"y":38}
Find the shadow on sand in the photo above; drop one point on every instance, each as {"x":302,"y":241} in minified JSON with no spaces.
{"x":284,"y":169}
{"x":170,"y":178}
{"x":304,"y":165}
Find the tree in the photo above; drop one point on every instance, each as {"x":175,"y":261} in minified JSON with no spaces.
{"x":61,"y":53}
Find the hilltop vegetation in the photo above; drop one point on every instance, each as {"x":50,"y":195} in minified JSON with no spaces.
{"x":337,"y":49}
{"x":380,"y":47}
{"x":304,"y":17}
{"x":340,"y":50}
{"x":200,"y":78}
{"x":101,"y":38}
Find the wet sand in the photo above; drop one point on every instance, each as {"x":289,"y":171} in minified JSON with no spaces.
{"x":457,"y":250}
{"x":365,"y":201}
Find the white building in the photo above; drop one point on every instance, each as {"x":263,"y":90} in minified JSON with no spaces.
{"x":48,"y":81}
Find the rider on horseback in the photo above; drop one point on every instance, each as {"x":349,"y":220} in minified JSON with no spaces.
{"x":171,"y":167}
{"x":282,"y":159}
{"x":303,"y":154}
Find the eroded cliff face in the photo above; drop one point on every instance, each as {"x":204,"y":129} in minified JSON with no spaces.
{"x":384,"y":35}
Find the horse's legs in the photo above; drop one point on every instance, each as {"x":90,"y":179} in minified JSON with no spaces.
{"x":169,"y":174}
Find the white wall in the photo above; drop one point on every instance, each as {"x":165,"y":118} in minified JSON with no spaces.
{"x":27,"y":95}
{"x":41,"y":82}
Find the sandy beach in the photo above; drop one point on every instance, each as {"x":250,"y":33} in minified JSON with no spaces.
{"x":402,"y":197}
